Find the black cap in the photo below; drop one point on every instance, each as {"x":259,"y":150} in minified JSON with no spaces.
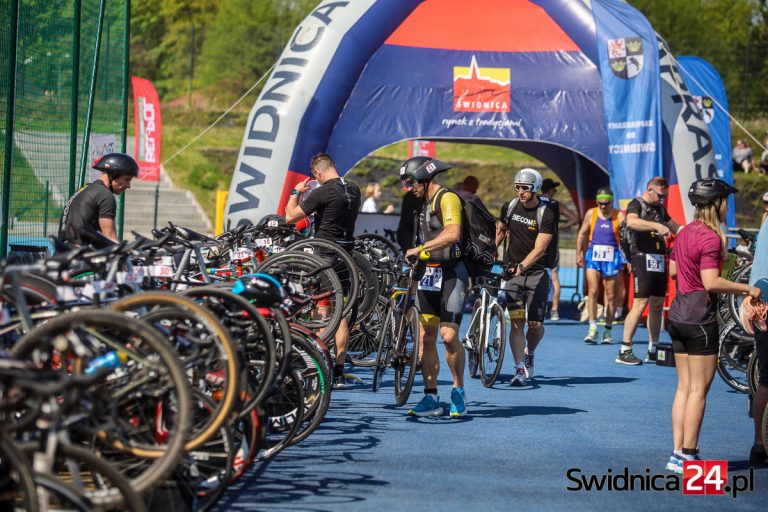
{"x":549,"y":184}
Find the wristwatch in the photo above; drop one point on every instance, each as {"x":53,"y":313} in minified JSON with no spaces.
{"x":295,"y":192}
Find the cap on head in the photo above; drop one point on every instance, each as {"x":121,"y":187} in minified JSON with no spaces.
{"x":422,"y":168}
{"x":548,"y":184}
{"x":529,"y":176}
{"x":117,"y":164}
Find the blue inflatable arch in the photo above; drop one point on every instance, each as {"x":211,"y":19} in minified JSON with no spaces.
{"x":577,"y":85}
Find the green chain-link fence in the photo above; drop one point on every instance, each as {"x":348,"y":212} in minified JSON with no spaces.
{"x":52,"y":99}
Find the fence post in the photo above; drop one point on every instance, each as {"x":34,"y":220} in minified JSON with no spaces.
{"x":75,"y":98}
{"x":91,"y":94}
{"x":8,"y":160}
{"x":45,"y":208}
{"x":124,"y":127}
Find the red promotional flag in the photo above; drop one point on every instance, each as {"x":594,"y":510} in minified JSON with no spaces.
{"x":148,"y":129}
{"x":421,"y":148}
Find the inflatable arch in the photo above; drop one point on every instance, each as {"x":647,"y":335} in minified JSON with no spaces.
{"x":586,"y":87}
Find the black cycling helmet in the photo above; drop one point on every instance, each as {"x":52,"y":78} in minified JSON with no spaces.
{"x":117,"y":164}
{"x":706,"y":191}
{"x":262,"y":289}
{"x":271,"y":220}
{"x":422,"y":169}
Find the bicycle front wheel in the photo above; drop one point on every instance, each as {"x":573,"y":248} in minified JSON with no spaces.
{"x":407,"y":356}
{"x":492,"y":346}
{"x":474,"y":337}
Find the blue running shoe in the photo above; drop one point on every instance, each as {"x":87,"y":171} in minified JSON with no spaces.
{"x":429,"y":406}
{"x":458,"y":403}
{"x":675,"y":464}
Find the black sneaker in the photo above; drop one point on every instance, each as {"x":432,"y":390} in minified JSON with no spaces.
{"x":339,"y":382}
{"x":651,"y":357}
{"x":629,"y":358}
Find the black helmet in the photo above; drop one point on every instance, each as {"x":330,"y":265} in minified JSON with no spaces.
{"x":422,"y":168}
{"x":705,"y":191}
{"x":262,"y":289}
{"x":117,"y":164}
{"x":271,"y":220}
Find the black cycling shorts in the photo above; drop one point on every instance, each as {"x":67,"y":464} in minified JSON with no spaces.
{"x":531,"y":289}
{"x":650,"y":275}
{"x":761,"y":351}
{"x":694,"y":340}
{"x":447,"y":305}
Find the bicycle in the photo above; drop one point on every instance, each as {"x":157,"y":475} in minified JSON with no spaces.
{"x":399,"y":340}
{"x":486,"y":338}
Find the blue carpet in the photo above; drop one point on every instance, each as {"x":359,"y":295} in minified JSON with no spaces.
{"x":514,"y":450}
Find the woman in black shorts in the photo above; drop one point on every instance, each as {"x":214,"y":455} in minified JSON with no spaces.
{"x":697,"y":260}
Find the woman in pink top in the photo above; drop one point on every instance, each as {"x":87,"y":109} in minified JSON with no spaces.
{"x":696,"y":263}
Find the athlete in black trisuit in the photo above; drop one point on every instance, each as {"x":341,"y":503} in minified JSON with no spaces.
{"x":94,"y":205}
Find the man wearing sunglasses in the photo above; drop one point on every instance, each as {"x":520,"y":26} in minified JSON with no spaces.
{"x":528,"y":226}
{"x":649,"y":224}
{"x":603,"y":260}
{"x":442,"y":291}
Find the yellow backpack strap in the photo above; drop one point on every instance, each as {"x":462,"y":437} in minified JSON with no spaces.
{"x":616,"y":227}
{"x":592,"y":223}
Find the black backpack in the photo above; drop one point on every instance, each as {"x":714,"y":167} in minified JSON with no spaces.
{"x":478,"y":235}
{"x":626,"y":235}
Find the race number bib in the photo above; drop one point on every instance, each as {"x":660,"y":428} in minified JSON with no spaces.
{"x":241,"y":253}
{"x":654,"y":262}
{"x":432,"y":280}
{"x":602,"y":252}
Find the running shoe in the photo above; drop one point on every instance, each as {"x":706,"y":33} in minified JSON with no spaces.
{"x":339,"y":382}
{"x":675,"y":464}
{"x":628,"y":358}
{"x":591,"y":336}
{"x":606,"y":340}
{"x":651,"y":357}
{"x":518,"y":380}
{"x":601,"y":320}
{"x":429,"y":406}
{"x":554,"y":316}
{"x":528,"y":366}
{"x":458,"y":402}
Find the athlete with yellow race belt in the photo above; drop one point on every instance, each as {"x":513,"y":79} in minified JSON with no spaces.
{"x":443,"y":288}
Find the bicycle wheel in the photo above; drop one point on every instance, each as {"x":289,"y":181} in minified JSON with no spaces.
{"x":368,"y":288}
{"x":312,"y":282}
{"x":98,"y":480}
{"x":340,"y":260}
{"x":17,"y":487}
{"x":475,"y":337}
{"x":734,"y":376}
{"x":753,"y":374}
{"x":284,"y":413}
{"x":363,"y":337}
{"x":492,"y":346}
{"x":386,"y":337}
{"x":407,"y":356}
{"x":57,"y":495}
{"x":149,"y":382}
{"x":765,"y":429}
{"x":224,"y":358}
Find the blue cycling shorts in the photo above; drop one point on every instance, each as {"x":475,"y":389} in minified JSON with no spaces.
{"x":606,"y":268}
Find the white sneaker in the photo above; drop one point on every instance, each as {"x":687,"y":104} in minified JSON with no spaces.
{"x":528,"y":366}
{"x":518,"y":380}
{"x":591,"y":336}
{"x":606,"y":337}
{"x":554,"y":316}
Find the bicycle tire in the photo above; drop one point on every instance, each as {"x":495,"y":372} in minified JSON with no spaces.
{"x":492,"y":347}
{"x":225,"y":345}
{"x":121,"y":494}
{"x":341,"y":260}
{"x":753,"y":374}
{"x":368,"y":288}
{"x":73,"y":497}
{"x":722,"y":365}
{"x":407,"y":356}
{"x":16,"y":472}
{"x":765,"y":429}
{"x":327,"y":283}
{"x":288,"y":398}
{"x":363,"y":338}
{"x":475,"y":337}
{"x":386,"y":336}
{"x":163,"y":460}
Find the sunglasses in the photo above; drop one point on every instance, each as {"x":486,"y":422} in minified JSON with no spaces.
{"x":524,"y":188}
{"x":409,"y":183}
{"x":661,"y":196}
{"x":601,"y":203}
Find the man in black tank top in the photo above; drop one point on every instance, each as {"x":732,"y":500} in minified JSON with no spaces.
{"x":335,"y":204}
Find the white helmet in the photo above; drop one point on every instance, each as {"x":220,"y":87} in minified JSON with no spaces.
{"x":529,"y":176}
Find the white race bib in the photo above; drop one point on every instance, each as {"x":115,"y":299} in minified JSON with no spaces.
{"x":241,"y":253}
{"x":602,"y":252}
{"x":654,"y":262}
{"x":262,"y":242}
{"x":432,"y":280}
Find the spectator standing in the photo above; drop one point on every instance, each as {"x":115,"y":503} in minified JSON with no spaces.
{"x":372,"y":194}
